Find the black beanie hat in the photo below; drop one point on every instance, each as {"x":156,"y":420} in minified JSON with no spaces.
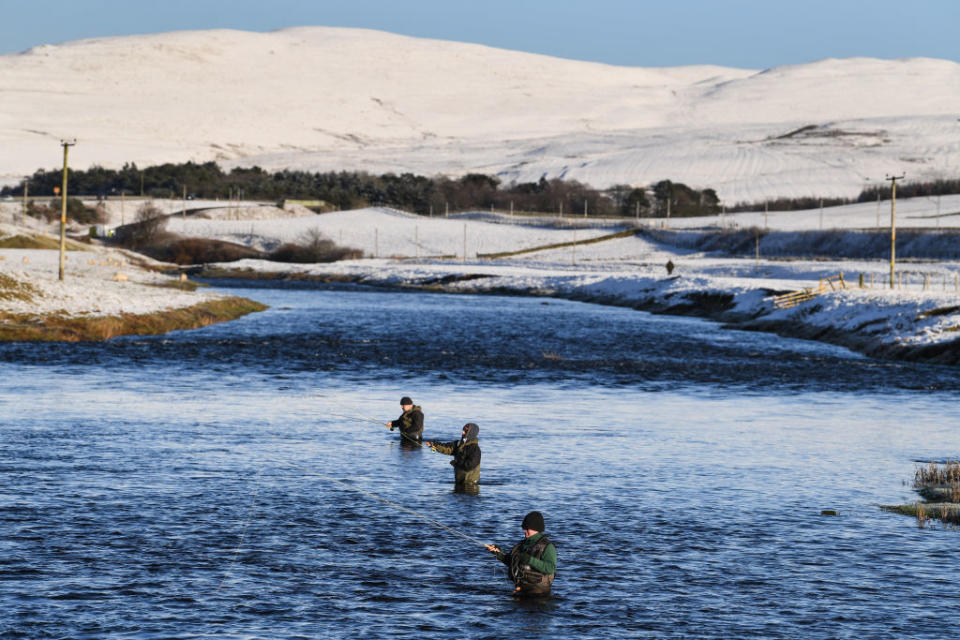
{"x":406,"y":400}
{"x":533,"y":521}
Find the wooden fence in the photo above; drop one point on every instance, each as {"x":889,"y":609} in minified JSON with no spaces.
{"x":792,"y":299}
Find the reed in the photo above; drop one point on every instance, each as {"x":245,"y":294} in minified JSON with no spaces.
{"x":935,"y":473}
{"x":922,"y":518}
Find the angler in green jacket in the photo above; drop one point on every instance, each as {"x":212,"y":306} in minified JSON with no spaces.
{"x":410,"y":422}
{"x":466,"y":456}
{"x":532,"y":562}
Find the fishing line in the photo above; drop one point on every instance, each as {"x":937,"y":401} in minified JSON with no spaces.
{"x":370,"y":494}
{"x":360,"y":418}
{"x":343,"y":406}
{"x":243,"y":530}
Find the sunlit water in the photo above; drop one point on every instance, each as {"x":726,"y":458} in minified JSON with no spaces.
{"x":224,"y":483}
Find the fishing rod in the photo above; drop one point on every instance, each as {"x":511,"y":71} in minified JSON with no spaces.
{"x":310,"y":472}
{"x":363,"y":419}
{"x":359,"y":418}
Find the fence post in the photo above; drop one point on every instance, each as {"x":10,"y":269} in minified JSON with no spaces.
{"x":861,"y":280}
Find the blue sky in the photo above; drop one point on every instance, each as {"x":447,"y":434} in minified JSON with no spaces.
{"x":738,"y":33}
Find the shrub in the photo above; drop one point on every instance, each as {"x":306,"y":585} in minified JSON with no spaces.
{"x":201,"y":251}
{"x":313,"y":247}
{"x":149,"y":223}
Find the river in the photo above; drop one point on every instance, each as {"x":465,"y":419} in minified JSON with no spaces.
{"x":234,"y":482}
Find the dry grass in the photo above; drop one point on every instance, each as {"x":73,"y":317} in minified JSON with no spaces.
{"x":181,"y":285}
{"x":38,"y":242}
{"x":921,"y":515}
{"x":938,"y":483}
{"x":60,"y":327}
{"x":13,"y":289}
{"x":926,"y":512}
{"x":937,"y":473}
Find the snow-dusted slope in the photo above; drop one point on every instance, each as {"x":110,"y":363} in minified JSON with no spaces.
{"x":329,"y":98}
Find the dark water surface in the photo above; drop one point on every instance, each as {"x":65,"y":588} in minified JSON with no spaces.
{"x":224,"y":483}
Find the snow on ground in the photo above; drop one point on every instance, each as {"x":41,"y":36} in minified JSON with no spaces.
{"x":924,"y":309}
{"x":933,"y":212}
{"x":98,"y":282}
{"x":332,"y":99}
{"x":389,"y":232}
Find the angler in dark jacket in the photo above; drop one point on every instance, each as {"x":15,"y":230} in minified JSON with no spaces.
{"x":410,"y":422}
{"x":532,"y":562}
{"x":466,"y":456}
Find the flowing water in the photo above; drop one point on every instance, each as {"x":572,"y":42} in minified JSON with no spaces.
{"x":234,"y":482}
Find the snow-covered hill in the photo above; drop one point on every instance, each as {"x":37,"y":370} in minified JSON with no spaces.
{"x":322,"y":98}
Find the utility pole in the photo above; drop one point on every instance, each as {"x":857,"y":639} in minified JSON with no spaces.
{"x":26,"y":188}
{"x":893,"y":224}
{"x":184,"y":216}
{"x":757,"y":241}
{"x":63,"y":206}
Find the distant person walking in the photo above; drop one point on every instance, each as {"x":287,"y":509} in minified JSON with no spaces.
{"x":532,"y":561}
{"x":410,"y":422}
{"x":466,"y":456}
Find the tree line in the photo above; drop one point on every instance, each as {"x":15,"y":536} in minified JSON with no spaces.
{"x":941,"y":187}
{"x":429,"y":195}
{"x":356,"y":189}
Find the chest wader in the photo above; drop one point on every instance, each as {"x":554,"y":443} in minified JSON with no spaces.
{"x":528,"y":580}
{"x":461,"y":476}
{"x":407,"y":429}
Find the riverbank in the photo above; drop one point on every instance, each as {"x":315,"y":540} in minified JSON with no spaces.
{"x":603,"y":261}
{"x":918,"y":326}
{"x":104,"y":293}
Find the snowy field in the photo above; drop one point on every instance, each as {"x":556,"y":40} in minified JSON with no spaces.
{"x":380,"y":102}
{"x":99,"y":282}
{"x":402,"y":250}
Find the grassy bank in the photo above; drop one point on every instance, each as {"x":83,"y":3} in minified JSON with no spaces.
{"x":52,"y":327}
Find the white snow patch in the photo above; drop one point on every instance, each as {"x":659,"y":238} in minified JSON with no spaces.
{"x":331,"y":99}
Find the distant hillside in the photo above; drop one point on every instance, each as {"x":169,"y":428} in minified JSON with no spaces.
{"x":323,"y":99}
